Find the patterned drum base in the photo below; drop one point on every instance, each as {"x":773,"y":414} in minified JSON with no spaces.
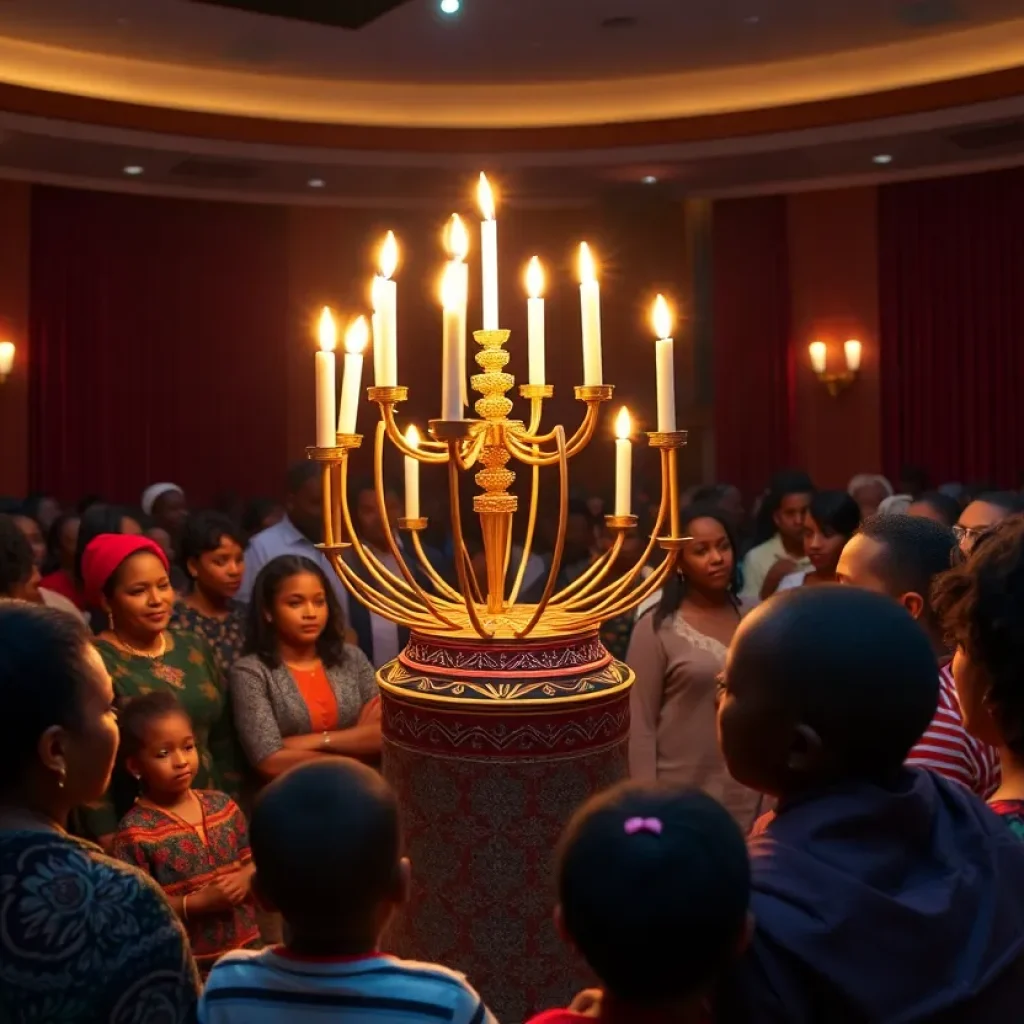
{"x":488,"y":770}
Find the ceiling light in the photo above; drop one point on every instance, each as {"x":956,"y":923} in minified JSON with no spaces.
{"x":649,"y":179}
{"x":752,"y":19}
{"x":134,"y":170}
{"x":450,"y":6}
{"x":882,"y":158}
{"x":316,"y":183}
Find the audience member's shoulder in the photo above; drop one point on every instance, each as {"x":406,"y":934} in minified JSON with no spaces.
{"x":227,"y":969}
{"x":443,"y":978}
{"x":214,"y":801}
{"x":250,"y":664}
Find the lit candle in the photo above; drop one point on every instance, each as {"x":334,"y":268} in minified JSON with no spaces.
{"x":458,"y":248}
{"x":488,"y":253}
{"x":412,"y":476}
{"x":535,"y":320}
{"x":590,"y":305}
{"x":6,"y":359}
{"x":623,"y":463}
{"x":325,"y":371}
{"x":852,"y":350}
{"x":664,"y":365}
{"x":451,"y":370}
{"x":356,"y":338}
{"x":385,"y":309}
{"x":819,"y":356}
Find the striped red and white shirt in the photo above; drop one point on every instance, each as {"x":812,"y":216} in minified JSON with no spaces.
{"x":949,"y":749}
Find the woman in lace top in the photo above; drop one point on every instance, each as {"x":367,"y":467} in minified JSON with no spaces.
{"x":677,"y":652}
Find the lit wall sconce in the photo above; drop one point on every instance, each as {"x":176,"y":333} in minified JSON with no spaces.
{"x":6,"y":359}
{"x":835,"y":382}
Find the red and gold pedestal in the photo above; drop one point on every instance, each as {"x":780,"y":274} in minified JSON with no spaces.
{"x":491,"y":747}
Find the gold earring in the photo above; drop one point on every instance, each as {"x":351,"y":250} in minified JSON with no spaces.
{"x":61,"y":778}
{"x":110,"y":621}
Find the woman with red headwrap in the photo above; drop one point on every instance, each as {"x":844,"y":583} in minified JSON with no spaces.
{"x":128,"y":577}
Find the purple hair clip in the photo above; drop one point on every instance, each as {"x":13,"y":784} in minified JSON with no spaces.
{"x":634,"y":825}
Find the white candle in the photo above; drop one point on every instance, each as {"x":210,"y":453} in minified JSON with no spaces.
{"x":451,"y":370}
{"x":664,"y":359}
{"x":325,"y":385}
{"x":355,"y":342}
{"x":535,"y":320}
{"x":378,"y":338}
{"x":488,"y":254}
{"x":852,"y":351}
{"x":385,"y":306}
{"x":458,"y":249}
{"x":623,"y":463}
{"x":819,"y":356}
{"x":590,"y":307}
{"x":412,"y":476}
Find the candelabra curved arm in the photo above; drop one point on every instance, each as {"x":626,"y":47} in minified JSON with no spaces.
{"x":563,"y":516}
{"x":396,"y":553}
{"x":586,"y":581}
{"x":441,"y":585}
{"x":424,"y":452}
{"x":466,"y":458}
{"x":377,"y":602}
{"x":528,"y":540}
{"x":463,"y":563}
{"x":526,"y":448}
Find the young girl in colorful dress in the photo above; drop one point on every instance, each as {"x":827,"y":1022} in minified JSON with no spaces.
{"x":193,"y":842}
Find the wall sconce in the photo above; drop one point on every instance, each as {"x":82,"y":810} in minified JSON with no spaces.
{"x":6,"y":359}
{"x":835,"y":382}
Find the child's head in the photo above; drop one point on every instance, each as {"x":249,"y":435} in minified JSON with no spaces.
{"x":823,"y":685}
{"x":653,"y":889}
{"x":326,"y":844}
{"x":293,"y":604}
{"x":158,"y":746}
{"x":981,"y":607}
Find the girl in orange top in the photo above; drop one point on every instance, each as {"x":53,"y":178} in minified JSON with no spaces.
{"x":300,"y":692}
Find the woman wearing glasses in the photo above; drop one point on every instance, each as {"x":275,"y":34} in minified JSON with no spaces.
{"x":986,"y":511}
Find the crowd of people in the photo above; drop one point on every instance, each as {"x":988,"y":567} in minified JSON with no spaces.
{"x":823,"y":821}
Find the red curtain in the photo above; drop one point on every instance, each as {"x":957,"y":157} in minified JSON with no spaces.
{"x":753,"y":391}
{"x":951,"y":264}
{"x":158,"y":345}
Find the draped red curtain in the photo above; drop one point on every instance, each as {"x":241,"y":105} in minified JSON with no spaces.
{"x":158,"y":345}
{"x":753,"y":391}
{"x":951,"y":265}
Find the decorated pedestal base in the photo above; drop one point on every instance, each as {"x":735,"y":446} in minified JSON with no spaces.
{"x":491,"y":747}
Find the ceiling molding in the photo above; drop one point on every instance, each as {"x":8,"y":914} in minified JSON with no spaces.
{"x":695,"y":95}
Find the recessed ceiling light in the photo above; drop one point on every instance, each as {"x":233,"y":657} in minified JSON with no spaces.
{"x":134,"y":170}
{"x":316,"y":183}
{"x":752,"y":19}
{"x":450,"y":6}
{"x":882,"y":158}
{"x":649,"y":179}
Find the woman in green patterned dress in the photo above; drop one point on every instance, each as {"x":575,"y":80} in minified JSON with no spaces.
{"x":129,"y":577}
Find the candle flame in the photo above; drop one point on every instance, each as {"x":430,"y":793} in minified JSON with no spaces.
{"x":451,"y":287}
{"x":661,"y":317}
{"x":456,"y":238}
{"x":357,"y":336}
{"x":327,"y":331}
{"x":588,"y":271}
{"x":388,"y":260}
{"x":412,"y":436}
{"x":534,"y":278}
{"x":485,"y":197}
{"x":623,"y":425}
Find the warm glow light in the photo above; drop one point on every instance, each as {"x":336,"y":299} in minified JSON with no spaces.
{"x":852,"y":350}
{"x":328,"y":331}
{"x":819,"y":356}
{"x":456,"y":239}
{"x":412,"y":436}
{"x":485,"y":197}
{"x":388,"y":261}
{"x":588,"y":272}
{"x":661,"y":317}
{"x":6,"y":358}
{"x":451,"y":287}
{"x":357,"y":337}
{"x":534,"y":278}
{"x":623,"y":425}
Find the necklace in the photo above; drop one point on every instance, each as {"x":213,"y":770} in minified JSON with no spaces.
{"x":143,"y":654}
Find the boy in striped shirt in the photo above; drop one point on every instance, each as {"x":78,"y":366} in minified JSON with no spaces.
{"x":326,"y":844}
{"x":901,"y":556}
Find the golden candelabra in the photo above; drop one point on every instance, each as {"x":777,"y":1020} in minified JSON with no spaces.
{"x":489,"y":609}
